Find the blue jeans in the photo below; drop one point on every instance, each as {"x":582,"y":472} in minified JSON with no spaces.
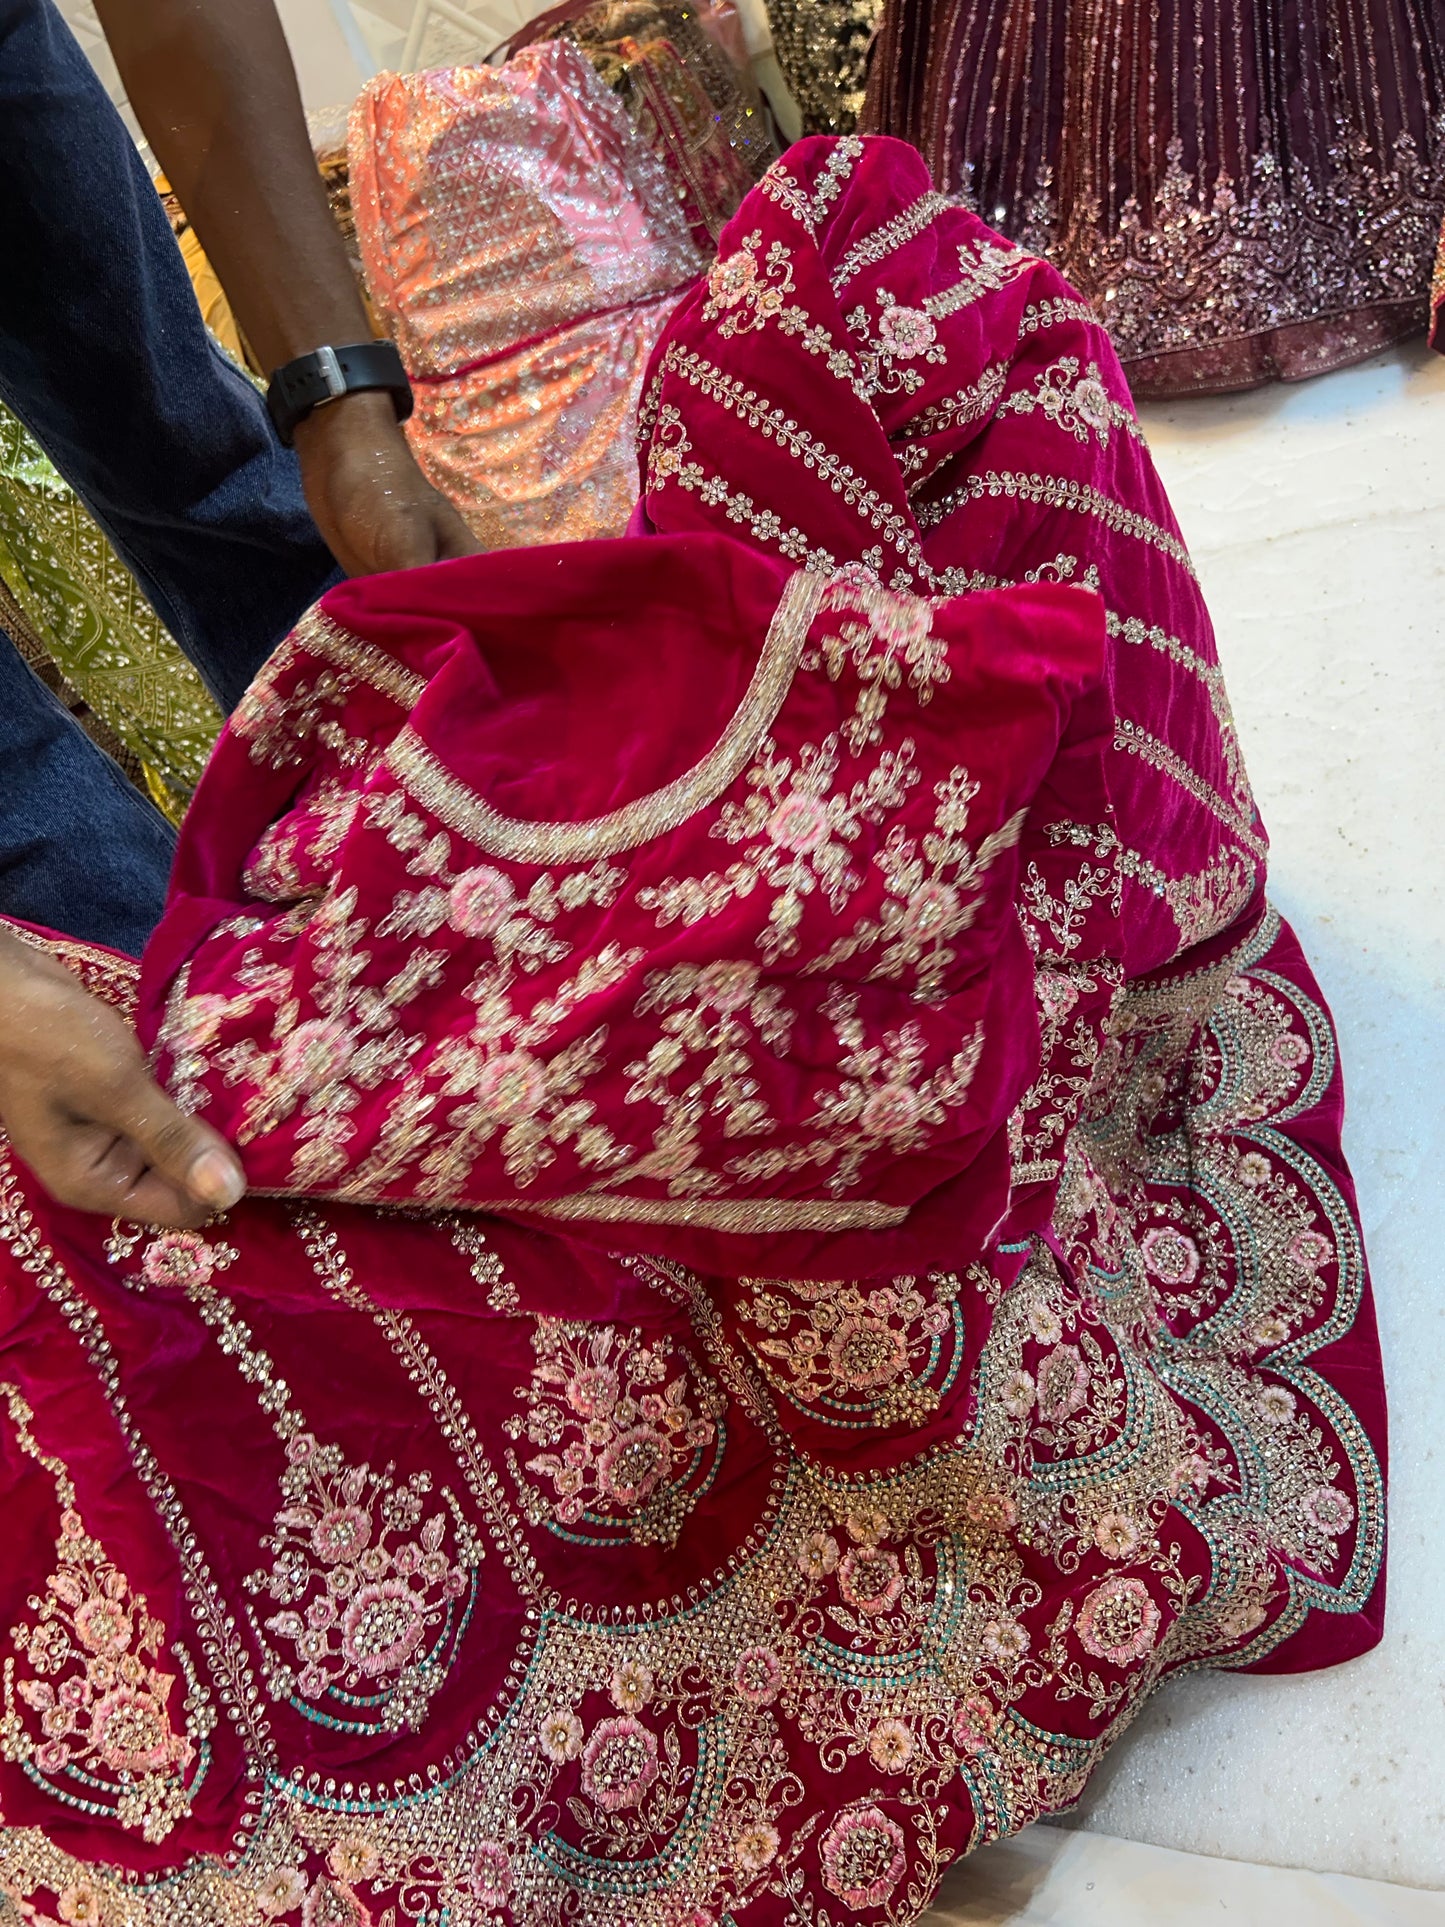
{"x":104,"y":357}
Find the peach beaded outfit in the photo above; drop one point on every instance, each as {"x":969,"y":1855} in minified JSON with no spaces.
{"x":524,"y":249}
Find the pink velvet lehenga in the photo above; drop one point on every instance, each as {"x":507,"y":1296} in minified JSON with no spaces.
{"x":809,"y":1262}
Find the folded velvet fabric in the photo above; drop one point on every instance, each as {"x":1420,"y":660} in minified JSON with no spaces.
{"x":649,"y":885}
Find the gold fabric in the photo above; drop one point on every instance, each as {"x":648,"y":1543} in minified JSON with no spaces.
{"x":81,"y":606}
{"x":822,"y":48}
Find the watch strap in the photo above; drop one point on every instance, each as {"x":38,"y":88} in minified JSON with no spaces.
{"x":329,"y":373}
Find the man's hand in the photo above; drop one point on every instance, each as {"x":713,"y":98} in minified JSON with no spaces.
{"x":212,"y":84}
{"x":82,"y":1110}
{"x":373,"y":506}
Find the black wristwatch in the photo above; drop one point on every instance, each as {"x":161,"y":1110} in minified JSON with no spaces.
{"x":328,"y":374}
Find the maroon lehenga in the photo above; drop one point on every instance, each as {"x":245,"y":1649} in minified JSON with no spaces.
{"x":1246,"y":190}
{"x":819,"y":1266}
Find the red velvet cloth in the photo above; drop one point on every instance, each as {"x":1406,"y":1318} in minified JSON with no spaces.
{"x":652,"y":886}
{"x":371,"y":1566}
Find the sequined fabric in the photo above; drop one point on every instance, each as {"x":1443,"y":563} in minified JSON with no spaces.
{"x":699,"y":112}
{"x":823,"y":49}
{"x":82,"y":609}
{"x":523,"y":247}
{"x":1437,"y":298}
{"x":1245,"y":192}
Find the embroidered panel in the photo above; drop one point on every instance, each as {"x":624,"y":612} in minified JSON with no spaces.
{"x":990,"y":1512}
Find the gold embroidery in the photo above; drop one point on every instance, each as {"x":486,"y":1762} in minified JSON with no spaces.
{"x":744,"y":1218}
{"x":1079,"y":404}
{"x":665,"y":461}
{"x":747,"y":299}
{"x":1058,"y":491}
{"x":855,"y":1355}
{"x":797,"y":826}
{"x":925,"y":906}
{"x":969,"y":405}
{"x":650,"y":816}
{"x":883,"y":242}
{"x":277,"y":727}
{"x":1133,"y":630}
{"x":366,"y":1593}
{"x":99,"y":1722}
{"x":225,"y":1656}
{"x":1202,"y":903}
{"x":891,"y":343}
{"x":775,"y":424}
{"x":1148,"y":748}
{"x":883,"y":1097}
{"x":1056,"y":313}
{"x":780,"y":186}
{"x":627,"y":1431}
{"x":532,"y":1101}
{"x":334,"y":1272}
{"x":987,"y":266}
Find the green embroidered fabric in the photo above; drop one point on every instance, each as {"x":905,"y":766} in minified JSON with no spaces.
{"x":87,"y":615}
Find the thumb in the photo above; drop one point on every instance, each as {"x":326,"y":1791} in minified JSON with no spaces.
{"x":181,"y":1151}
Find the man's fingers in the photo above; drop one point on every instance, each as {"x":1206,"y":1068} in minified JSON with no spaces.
{"x":153,"y":1199}
{"x":183,"y":1154}
{"x":90,"y":1168}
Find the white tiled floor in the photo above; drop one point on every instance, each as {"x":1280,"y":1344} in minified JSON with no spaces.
{"x":1317,"y":517}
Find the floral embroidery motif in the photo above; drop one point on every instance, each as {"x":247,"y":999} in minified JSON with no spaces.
{"x":857,"y":1355}
{"x":864,"y":1857}
{"x":630,"y":1434}
{"x":880,"y":637}
{"x":712,"y":1011}
{"x":888,"y":1624}
{"x":890,"y":344}
{"x":368,"y":1595}
{"x":533,"y":1103}
{"x":1201,"y":904}
{"x":1079,"y":404}
{"x":773,"y":421}
{"x":797,"y":826}
{"x":482,"y":902}
{"x":368,"y":1590}
{"x":882,"y":1098}
{"x":932,"y":893}
{"x":1145,"y":1473}
{"x":88,"y":1712}
{"x":1118,"y":1622}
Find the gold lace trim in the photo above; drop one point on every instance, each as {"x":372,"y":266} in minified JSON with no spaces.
{"x":319,"y":635}
{"x":463,"y":811}
{"x":738,"y":1215}
{"x":1129,"y":737}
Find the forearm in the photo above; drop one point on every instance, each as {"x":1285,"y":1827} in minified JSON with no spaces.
{"x":213,"y":86}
